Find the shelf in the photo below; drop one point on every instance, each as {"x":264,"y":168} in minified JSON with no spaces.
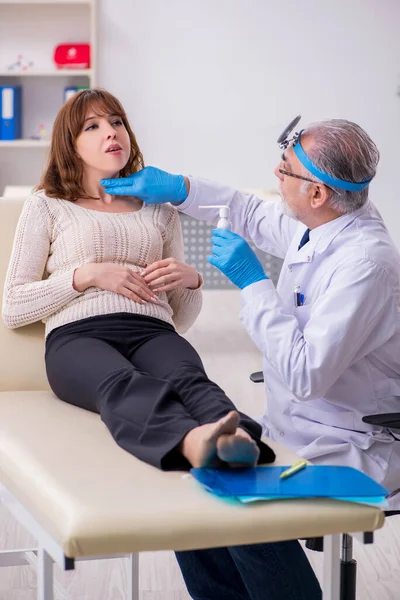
{"x":24,"y":143}
{"x":33,"y":29}
{"x":48,"y":73}
{"x":53,"y":2}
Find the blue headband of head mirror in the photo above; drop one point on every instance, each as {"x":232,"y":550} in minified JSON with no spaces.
{"x":284,"y":142}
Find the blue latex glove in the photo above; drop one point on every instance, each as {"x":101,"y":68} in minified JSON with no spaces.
{"x":150,"y":185}
{"x":232,"y":255}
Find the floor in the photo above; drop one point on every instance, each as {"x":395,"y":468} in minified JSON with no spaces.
{"x":229,"y":356}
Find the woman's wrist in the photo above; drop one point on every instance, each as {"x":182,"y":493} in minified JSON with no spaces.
{"x":198,"y":284}
{"x":83,"y":278}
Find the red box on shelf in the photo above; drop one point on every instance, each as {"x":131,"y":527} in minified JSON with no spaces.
{"x":72,"y":56}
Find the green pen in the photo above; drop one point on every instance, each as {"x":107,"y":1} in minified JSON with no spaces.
{"x":293,"y":469}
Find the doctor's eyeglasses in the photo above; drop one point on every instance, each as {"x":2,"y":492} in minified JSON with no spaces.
{"x":284,"y":172}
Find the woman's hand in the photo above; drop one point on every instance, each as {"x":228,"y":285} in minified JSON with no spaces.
{"x":169,"y":273}
{"x":114,"y":278}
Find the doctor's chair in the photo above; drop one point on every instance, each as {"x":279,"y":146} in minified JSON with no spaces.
{"x":348,"y":565}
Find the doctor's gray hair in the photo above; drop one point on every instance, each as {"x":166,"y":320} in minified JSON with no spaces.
{"x":345,"y":151}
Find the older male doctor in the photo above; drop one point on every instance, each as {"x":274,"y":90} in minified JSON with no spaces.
{"x":329,"y":333}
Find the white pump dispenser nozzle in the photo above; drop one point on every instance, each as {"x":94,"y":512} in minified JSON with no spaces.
{"x":224,"y":222}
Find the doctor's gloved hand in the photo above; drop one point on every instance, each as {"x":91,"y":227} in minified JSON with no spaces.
{"x":232,"y":255}
{"x":151,"y":185}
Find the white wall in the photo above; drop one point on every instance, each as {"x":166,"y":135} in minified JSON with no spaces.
{"x":209,"y":84}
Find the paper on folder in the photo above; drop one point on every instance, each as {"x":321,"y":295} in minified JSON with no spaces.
{"x":378,"y":502}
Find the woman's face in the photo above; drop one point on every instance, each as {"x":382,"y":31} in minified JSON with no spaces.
{"x":103,"y":144}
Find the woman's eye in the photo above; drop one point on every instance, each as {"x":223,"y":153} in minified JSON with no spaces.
{"x":91,"y":127}
{"x":118,"y":122}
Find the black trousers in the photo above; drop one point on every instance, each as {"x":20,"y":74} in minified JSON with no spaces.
{"x":146,"y":381}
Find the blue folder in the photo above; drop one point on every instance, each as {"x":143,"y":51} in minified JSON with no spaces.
{"x":10,"y":112}
{"x":314,"y":481}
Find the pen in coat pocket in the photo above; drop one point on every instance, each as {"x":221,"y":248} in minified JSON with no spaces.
{"x":298,"y":297}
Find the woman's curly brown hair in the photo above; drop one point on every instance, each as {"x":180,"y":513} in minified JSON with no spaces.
{"x":63,"y":175}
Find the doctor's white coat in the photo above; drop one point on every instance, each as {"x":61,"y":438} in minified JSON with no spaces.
{"x":335,"y":359}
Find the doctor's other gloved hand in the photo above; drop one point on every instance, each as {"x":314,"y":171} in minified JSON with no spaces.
{"x":232,"y":255}
{"x":151,"y":185}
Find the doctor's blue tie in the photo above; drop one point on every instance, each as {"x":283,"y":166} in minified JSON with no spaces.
{"x":304,"y":239}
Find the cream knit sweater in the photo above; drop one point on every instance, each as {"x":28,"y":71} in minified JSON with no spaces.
{"x":54,"y":237}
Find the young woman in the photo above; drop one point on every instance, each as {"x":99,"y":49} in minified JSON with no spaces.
{"x":106,"y":275}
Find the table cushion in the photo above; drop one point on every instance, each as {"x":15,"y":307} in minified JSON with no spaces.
{"x":94,"y":498}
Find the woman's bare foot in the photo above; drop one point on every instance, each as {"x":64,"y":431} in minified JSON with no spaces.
{"x":238,"y":449}
{"x":200,"y":444}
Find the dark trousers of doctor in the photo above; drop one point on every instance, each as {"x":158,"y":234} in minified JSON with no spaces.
{"x":150,"y":388}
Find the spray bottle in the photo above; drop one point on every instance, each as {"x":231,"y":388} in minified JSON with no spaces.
{"x":224,"y":222}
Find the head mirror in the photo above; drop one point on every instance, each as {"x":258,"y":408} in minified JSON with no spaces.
{"x":282,"y":139}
